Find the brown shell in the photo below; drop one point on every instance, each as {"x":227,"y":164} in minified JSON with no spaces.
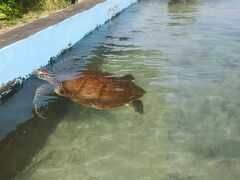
{"x":100,"y":90}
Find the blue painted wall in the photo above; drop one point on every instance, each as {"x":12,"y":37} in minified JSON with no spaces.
{"x":21,"y":58}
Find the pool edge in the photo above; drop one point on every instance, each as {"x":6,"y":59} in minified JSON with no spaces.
{"x":20,"y":58}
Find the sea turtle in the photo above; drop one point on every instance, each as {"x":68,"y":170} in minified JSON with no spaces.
{"x":95,"y":89}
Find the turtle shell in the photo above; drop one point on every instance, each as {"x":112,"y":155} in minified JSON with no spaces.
{"x":101,"y":90}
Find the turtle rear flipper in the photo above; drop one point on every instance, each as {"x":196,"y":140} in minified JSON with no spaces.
{"x":42,"y":98}
{"x":127,"y":78}
{"x":137,"y":106}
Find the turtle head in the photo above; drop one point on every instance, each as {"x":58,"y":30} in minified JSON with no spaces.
{"x":45,"y":75}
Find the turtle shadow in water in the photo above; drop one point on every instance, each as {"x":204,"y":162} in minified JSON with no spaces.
{"x":79,"y":113}
{"x":19,"y":147}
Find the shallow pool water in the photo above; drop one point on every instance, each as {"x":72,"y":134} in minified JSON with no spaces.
{"x":187,"y":59}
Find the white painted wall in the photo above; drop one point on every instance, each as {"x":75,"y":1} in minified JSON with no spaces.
{"x":21,"y":58}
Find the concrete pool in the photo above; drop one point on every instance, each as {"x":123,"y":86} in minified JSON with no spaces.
{"x":186,"y":58}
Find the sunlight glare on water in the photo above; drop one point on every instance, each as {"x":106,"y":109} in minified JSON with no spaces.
{"x":186,"y":57}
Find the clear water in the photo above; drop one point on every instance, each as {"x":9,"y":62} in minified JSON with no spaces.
{"x":187,"y":58}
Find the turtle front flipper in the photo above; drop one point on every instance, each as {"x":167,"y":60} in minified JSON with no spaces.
{"x":42,"y":98}
{"x":137,"y":105}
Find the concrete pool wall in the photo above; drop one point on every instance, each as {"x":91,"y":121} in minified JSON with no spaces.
{"x":27,"y":48}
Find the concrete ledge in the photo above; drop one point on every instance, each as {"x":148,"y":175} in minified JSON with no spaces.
{"x":34,"y":44}
{"x":42,"y":23}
